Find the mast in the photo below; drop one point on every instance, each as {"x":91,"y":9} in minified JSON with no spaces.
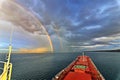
{"x":7,"y":69}
{"x":10,"y":47}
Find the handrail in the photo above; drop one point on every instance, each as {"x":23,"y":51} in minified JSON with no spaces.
{"x":6,"y":70}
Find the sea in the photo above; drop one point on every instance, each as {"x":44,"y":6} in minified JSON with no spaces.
{"x":45,"y":66}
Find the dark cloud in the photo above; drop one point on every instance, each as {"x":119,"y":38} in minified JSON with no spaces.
{"x":20,"y":17}
{"x":78,"y":21}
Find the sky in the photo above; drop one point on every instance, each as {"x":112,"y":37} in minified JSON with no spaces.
{"x":29,"y":35}
{"x":72,"y":25}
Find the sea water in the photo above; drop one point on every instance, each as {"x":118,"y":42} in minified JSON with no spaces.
{"x":45,"y":66}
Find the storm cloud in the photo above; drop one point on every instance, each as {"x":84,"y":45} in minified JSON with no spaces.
{"x":20,"y":17}
{"x":28,"y":32}
{"x":81,"y":23}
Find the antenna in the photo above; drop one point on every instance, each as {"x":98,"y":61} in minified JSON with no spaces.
{"x":11,"y":35}
{"x":10,"y":46}
{"x":83,"y":56}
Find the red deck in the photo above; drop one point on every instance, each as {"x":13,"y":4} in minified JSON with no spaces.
{"x":81,"y":69}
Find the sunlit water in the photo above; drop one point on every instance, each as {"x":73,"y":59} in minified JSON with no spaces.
{"x":45,"y":66}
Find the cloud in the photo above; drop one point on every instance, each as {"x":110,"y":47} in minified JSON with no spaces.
{"x":80,"y":23}
{"x":92,"y":27}
{"x":107,"y":39}
{"x":37,"y":50}
{"x":118,"y":2}
{"x":21,"y":38}
{"x":28,"y":31}
{"x":20,"y":17}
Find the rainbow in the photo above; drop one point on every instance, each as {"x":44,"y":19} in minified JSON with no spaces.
{"x":29,"y":13}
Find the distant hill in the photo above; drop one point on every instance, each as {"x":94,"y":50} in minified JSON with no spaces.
{"x":117,"y":50}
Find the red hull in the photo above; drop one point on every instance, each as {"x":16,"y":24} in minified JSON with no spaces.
{"x":81,"y":69}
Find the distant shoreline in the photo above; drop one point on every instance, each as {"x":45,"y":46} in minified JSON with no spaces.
{"x":105,"y":51}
